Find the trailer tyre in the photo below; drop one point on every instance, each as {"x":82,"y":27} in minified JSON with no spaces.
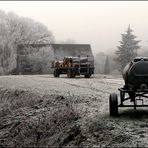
{"x":73,"y":74}
{"x":87,"y":75}
{"x":70,"y":73}
{"x":113,"y":104}
{"x":56,"y":73}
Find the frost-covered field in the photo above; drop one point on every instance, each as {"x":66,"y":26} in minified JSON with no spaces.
{"x":62,"y":85}
{"x":90,"y":99}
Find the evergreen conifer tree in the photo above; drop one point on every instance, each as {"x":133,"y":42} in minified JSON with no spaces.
{"x":127,"y":51}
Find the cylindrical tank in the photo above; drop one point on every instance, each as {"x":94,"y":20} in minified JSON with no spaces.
{"x":135,"y":74}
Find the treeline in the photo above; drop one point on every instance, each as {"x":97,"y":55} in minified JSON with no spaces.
{"x":16,"y":30}
{"x":113,"y":63}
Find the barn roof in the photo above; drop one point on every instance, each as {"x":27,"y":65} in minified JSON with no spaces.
{"x":72,"y":49}
{"x":71,"y":46}
{"x":62,"y":50}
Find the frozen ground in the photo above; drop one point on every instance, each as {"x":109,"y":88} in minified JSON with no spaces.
{"x":90,"y":98}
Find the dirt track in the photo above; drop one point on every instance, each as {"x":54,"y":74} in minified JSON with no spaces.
{"x":90,"y":97}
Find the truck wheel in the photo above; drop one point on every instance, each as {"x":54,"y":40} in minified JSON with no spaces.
{"x":73,"y":74}
{"x":69,"y":73}
{"x":113,"y":104}
{"x":87,"y":75}
{"x":56,"y":73}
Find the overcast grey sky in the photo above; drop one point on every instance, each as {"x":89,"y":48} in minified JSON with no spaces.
{"x":99,"y":23}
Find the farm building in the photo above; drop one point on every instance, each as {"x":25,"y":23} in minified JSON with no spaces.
{"x":37,"y":58}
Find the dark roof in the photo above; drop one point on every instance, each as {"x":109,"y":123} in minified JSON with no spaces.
{"x":72,"y":50}
{"x":55,"y":46}
{"x":71,"y":46}
{"x":62,"y":50}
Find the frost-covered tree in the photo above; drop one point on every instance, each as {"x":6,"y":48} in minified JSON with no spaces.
{"x":27,"y":31}
{"x":127,"y":51}
{"x":16,"y":30}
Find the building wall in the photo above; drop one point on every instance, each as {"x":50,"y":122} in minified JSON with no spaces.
{"x":74,"y":50}
{"x":37,"y":58}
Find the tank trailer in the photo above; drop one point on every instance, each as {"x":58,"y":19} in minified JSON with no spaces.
{"x":74,"y":66}
{"x":135,"y":75}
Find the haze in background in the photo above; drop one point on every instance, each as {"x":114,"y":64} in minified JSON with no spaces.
{"x":98,"y":23}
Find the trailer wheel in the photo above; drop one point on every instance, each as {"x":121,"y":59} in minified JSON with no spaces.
{"x":56,"y":73}
{"x":87,"y":75}
{"x":73,"y":74}
{"x":113,"y":104}
{"x":69,"y":73}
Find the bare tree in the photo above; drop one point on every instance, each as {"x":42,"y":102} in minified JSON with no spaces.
{"x":15,"y":30}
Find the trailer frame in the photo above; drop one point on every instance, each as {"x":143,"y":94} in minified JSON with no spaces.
{"x":133,"y":96}
{"x":73,"y":71}
{"x":85,"y":69}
